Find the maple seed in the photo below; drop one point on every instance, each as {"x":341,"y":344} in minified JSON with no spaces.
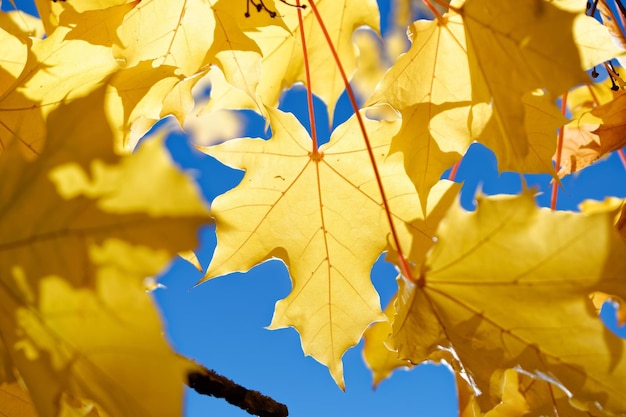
{"x":301,"y":6}
{"x":594,"y":73}
{"x":261,"y":6}
{"x":591,"y":8}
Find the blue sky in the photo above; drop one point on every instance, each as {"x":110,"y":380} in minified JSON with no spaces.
{"x":221,"y":323}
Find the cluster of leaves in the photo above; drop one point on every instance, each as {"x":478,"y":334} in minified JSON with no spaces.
{"x":503,"y":295}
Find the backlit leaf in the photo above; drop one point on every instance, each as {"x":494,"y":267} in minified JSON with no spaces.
{"x":281,"y":48}
{"x":25,"y":106}
{"x":501,"y":303}
{"x":80,"y":230}
{"x":381,"y":360}
{"x":473,"y":74}
{"x":310,"y":211}
{"x":594,"y":135}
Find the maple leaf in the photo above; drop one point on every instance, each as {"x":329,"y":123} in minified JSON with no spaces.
{"x":137,"y":98}
{"x":15,"y":401}
{"x":50,"y":12}
{"x":502,"y":303}
{"x":512,"y":402}
{"x":80,"y":230}
{"x":594,"y":135}
{"x":521,"y":395}
{"x":473,"y":74}
{"x":616,"y":206}
{"x":53,"y":63}
{"x":381,"y":360}
{"x":187,"y":34}
{"x":539,"y":44}
{"x":435,"y":101}
{"x":15,"y":28}
{"x":140,"y":96}
{"x":281,"y":48}
{"x":322,"y":215}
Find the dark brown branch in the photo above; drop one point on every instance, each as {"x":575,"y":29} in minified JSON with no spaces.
{"x":208,"y":382}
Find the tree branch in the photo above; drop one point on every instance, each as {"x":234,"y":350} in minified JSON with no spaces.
{"x":208,"y":382}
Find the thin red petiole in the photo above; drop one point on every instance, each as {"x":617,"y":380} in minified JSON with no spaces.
{"x":434,"y":11}
{"x":442,"y":4}
{"x":622,"y":157}
{"x":309,"y":90}
{"x":559,"y":150}
{"x":404,"y":266}
{"x":455,"y":169}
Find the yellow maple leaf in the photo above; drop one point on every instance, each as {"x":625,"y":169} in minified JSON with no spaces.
{"x":474,"y":74}
{"x":80,"y":231}
{"x":616,"y":206}
{"x":50,"y":12}
{"x":15,"y":28}
{"x":508,"y":286}
{"x":321,"y":214}
{"x":512,"y":402}
{"x":281,"y":48}
{"x":162,"y":49}
{"x":435,"y":100}
{"x":520,"y":395}
{"x":520,"y":47}
{"x":138,"y":96}
{"x":187,"y":34}
{"x":17,"y":403}
{"x":56,"y":70}
{"x":381,"y":360}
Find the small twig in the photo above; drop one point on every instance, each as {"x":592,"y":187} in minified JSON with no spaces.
{"x":208,"y":382}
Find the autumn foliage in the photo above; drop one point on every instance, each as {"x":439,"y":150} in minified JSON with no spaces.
{"x":507,"y":295}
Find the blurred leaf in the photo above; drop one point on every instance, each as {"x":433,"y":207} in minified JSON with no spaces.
{"x":81,"y":228}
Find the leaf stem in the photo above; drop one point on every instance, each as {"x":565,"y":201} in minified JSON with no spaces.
{"x":434,"y":11}
{"x":309,"y":90}
{"x":404,"y":266}
{"x":442,"y":4}
{"x":622,"y":157}
{"x":559,"y":150}
{"x":455,"y":169}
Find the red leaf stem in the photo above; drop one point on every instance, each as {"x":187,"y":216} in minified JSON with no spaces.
{"x":404,"y":266}
{"x":622,"y":157}
{"x":455,"y":169}
{"x":309,"y":90}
